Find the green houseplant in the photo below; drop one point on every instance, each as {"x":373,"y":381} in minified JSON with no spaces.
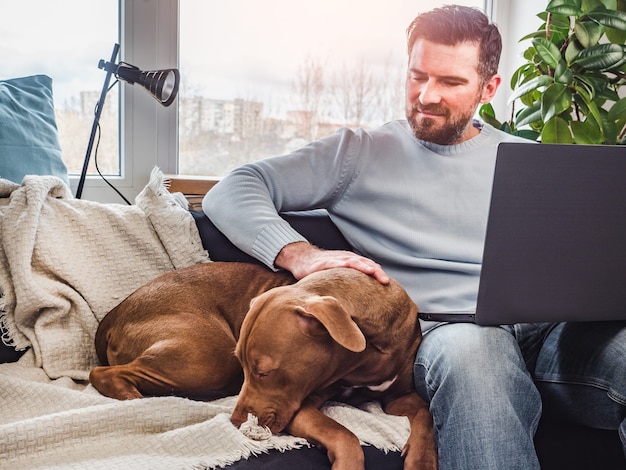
{"x":569,"y":86}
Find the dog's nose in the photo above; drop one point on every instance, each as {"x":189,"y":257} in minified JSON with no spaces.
{"x":238,"y":417}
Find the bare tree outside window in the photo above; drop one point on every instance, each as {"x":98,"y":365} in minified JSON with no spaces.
{"x":219,"y":135}
{"x":310,"y":89}
{"x":262,"y":81}
{"x":354,"y":88}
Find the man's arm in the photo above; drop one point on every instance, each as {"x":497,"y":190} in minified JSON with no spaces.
{"x":245,"y":206}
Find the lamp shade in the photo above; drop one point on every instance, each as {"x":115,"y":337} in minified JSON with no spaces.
{"x":162,"y":84}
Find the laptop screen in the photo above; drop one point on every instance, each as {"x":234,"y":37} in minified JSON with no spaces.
{"x":555,"y":248}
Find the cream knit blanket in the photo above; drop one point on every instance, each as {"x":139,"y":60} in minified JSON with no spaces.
{"x":60,"y":424}
{"x":64,"y":263}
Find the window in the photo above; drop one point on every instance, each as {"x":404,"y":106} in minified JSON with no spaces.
{"x":43,"y":37}
{"x":261,"y":78}
{"x":241,"y":59}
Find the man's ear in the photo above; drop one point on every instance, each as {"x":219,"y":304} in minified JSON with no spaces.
{"x":490,"y":88}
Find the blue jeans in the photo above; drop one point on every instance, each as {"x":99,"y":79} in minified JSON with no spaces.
{"x":486,"y":386}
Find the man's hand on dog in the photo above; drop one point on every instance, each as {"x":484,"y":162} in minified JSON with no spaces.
{"x":302,"y":259}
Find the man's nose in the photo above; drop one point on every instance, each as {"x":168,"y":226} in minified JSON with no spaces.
{"x":429,"y":94}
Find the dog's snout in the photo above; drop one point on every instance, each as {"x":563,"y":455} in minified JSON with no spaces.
{"x":238,"y":417}
{"x":267,"y":418}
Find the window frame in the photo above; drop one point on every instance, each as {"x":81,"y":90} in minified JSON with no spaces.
{"x":148,"y":130}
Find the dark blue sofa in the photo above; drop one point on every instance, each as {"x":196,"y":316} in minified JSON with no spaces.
{"x":560,"y":445}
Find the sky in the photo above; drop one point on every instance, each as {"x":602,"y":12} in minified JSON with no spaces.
{"x":229,"y":48}
{"x":250,"y":48}
{"x":51,"y":37}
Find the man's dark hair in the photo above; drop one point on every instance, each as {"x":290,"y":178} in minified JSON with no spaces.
{"x":454,"y":24}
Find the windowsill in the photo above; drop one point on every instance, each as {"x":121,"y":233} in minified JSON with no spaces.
{"x":193,"y":187}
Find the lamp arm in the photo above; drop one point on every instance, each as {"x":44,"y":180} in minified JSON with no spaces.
{"x":96,"y":121}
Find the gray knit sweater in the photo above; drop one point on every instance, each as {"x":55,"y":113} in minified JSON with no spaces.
{"x":417,"y":208}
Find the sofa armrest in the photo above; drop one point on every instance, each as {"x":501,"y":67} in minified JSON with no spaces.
{"x":315,"y":226}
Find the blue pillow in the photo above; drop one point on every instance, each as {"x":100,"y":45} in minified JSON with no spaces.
{"x":29,"y":140}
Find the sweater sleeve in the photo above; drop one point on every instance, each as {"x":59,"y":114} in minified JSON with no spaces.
{"x":245,"y":205}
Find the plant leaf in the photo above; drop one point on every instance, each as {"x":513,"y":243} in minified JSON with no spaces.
{"x":608,"y":94}
{"x":527,"y":134}
{"x":610,"y":131}
{"x":600,"y":57}
{"x":586,"y":132}
{"x":562,"y":74}
{"x":558,"y":21}
{"x":620,"y":132}
{"x":537,"y":34}
{"x":556,"y":131}
{"x":584,"y":89}
{"x":590,"y":5}
{"x":618,"y":110}
{"x":572,"y":51}
{"x":524,"y":73}
{"x":487,"y":108}
{"x":611,"y":18}
{"x":488,"y":115}
{"x":589,"y":108}
{"x":535,"y":83}
{"x":528,"y":115}
{"x":565,"y":7}
{"x":588,"y":33}
{"x":594,"y":112}
{"x":529,"y":99}
{"x":548,"y":52}
{"x":616,"y":36}
{"x":621,"y":63}
{"x":593,"y":82}
{"x":556,"y":99}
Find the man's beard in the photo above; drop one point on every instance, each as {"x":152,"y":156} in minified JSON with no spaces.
{"x":451,"y":132}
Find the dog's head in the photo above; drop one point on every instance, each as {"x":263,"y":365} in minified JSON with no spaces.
{"x":290,"y":345}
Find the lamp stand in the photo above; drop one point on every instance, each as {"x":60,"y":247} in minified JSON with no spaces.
{"x":96,"y":121}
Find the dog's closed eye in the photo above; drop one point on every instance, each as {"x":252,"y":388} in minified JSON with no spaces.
{"x":262,"y":368}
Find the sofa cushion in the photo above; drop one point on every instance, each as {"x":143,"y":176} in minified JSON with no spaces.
{"x":29,"y":140}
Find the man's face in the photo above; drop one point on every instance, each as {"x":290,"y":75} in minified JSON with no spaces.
{"x":443,"y":90}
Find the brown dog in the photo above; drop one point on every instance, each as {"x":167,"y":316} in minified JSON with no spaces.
{"x":176,"y":334}
{"x":341,"y":332}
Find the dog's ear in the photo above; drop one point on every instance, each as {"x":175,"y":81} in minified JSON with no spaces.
{"x":334,"y":319}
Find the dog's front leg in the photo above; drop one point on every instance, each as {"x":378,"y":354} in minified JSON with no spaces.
{"x":420,"y":450}
{"x":342,"y":446}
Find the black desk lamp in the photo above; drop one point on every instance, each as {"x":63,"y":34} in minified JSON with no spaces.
{"x":162,"y":85}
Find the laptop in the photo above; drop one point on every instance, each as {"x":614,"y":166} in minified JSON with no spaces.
{"x":555,"y":245}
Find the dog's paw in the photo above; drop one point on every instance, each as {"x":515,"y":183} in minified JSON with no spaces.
{"x":426,"y":460}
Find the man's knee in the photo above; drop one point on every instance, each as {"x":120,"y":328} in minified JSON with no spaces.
{"x":467,"y":356}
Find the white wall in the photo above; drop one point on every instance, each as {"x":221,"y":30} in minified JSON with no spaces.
{"x":515,"y":19}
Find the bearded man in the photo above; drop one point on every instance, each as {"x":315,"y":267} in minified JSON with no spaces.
{"x":412,"y":198}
